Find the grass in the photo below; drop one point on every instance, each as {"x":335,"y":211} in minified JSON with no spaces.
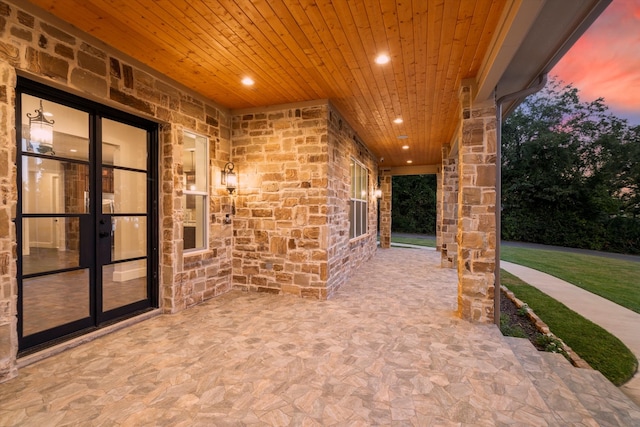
{"x":615,"y":280}
{"x":420,"y":241}
{"x":599,"y":348}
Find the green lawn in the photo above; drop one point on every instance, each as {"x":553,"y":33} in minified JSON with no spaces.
{"x":420,"y":241}
{"x":615,"y":280}
{"x":599,"y":348}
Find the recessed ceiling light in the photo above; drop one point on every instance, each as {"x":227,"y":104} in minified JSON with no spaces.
{"x":398,"y":121}
{"x":382,"y":59}
{"x":405,"y":147}
{"x":248,"y":81}
{"x":403,"y":136}
{"x":409,"y":161}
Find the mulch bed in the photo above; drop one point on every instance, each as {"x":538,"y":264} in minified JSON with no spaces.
{"x":509,"y":308}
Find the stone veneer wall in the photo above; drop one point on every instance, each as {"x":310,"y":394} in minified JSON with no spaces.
{"x":291,"y":227}
{"x":439,"y":201}
{"x":476,"y":209}
{"x":386,"y":186}
{"x":345,"y":255}
{"x":55,"y":53}
{"x":8,"y":199}
{"x":449,"y":214}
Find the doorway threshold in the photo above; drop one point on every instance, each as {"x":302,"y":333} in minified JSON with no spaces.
{"x":47,"y":352}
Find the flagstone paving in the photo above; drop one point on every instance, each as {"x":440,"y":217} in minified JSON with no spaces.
{"x":388,"y":349}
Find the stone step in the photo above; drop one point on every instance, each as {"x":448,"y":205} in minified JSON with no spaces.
{"x":606,"y":403}
{"x":561,"y":400}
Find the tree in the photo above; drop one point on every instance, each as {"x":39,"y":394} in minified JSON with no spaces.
{"x":569,"y":168}
{"x":414,"y":204}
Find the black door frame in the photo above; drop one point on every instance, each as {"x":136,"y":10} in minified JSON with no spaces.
{"x":97,"y":318}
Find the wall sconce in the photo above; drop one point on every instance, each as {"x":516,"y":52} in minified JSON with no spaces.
{"x":40,"y":132}
{"x":229,"y":178}
{"x":377,"y":193}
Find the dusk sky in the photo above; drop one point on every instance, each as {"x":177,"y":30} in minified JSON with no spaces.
{"x":605,"y":62}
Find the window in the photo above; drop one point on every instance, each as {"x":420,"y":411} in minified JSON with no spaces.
{"x":358,"y":205}
{"x":195,"y":193}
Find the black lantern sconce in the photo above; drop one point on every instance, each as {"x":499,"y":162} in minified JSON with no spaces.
{"x":229,"y":178}
{"x":40,"y":132}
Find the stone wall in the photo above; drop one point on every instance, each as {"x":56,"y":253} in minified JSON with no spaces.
{"x":54,"y":53}
{"x":280,"y":226}
{"x":345,"y":255}
{"x":291,"y":230}
{"x":8,"y":199}
{"x":386,"y":185}
{"x":476,"y":236}
{"x":449,"y":214}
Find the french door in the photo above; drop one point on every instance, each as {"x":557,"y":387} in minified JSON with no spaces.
{"x":87,"y":252}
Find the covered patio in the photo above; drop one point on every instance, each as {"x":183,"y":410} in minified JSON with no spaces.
{"x":388,"y":349}
{"x":314,"y":106}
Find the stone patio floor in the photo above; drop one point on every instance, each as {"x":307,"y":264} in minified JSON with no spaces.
{"x":387,"y":349}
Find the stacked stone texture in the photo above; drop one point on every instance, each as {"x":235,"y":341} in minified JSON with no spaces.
{"x":54,"y":53}
{"x":476,"y":210}
{"x":345,"y":255}
{"x":291,"y":229}
{"x":439,"y":204}
{"x":8,"y":198}
{"x":385,"y":208}
{"x":448,"y":217}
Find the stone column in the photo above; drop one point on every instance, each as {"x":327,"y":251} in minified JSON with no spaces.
{"x":439,"y":210}
{"x":385,"y":209}
{"x":476,"y":209}
{"x":449,"y":228}
{"x":172,"y":276}
{"x":8,"y":197}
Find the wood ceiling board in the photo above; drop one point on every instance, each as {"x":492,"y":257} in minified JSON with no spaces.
{"x":301,"y":50}
{"x":276,"y":53}
{"x":306,"y":64}
{"x":239,"y":56}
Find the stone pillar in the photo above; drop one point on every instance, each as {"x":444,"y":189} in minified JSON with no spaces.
{"x":8,"y":197}
{"x":476,"y":209}
{"x":439,"y":210}
{"x":172,"y":277}
{"x":385,"y":209}
{"x":449,"y":227}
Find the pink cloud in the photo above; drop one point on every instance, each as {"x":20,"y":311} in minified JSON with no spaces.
{"x":605,"y":62}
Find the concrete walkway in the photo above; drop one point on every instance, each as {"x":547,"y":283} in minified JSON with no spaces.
{"x":619,"y":321}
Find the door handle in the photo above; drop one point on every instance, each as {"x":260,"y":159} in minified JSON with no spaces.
{"x":104,"y":234}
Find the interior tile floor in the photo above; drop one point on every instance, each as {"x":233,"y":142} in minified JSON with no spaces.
{"x":387,"y":349}
{"x":56,"y":299}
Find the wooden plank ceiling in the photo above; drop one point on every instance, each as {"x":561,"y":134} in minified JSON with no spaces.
{"x":300,"y":50}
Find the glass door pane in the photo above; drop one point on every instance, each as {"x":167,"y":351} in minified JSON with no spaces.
{"x":55,"y":181}
{"x":123,"y":283}
{"x":124,"y":208}
{"x":54,"y":300}
{"x":83,"y":219}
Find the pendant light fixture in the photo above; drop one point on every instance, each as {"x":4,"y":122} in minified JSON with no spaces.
{"x":40,"y":132}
